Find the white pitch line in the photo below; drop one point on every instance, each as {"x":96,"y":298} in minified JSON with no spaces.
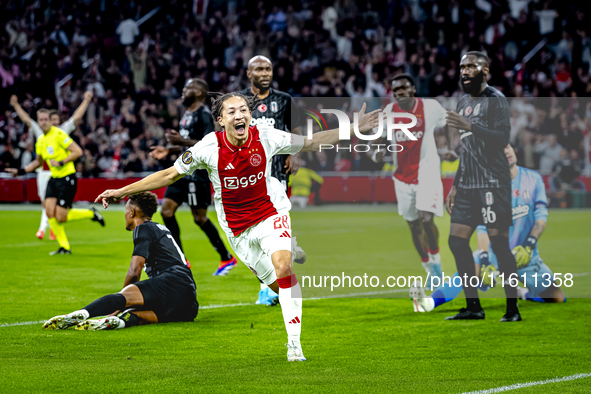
{"x":538,"y":383}
{"x":216,"y":306}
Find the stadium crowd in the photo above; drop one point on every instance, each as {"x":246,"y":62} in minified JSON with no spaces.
{"x":135,"y":63}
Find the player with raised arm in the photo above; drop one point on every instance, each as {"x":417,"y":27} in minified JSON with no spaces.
{"x":481,"y":193}
{"x":58,"y":151}
{"x":530,"y":214}
{"x":195,"y":190}
{"x":252,"y":207}
{"x":44,"y":174}
{"x":273,"y":109}
{"x":417,"y":178}
{"x":168,"y":295}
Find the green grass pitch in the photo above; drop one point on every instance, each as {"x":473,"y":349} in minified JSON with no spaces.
{"x":353,"y":344}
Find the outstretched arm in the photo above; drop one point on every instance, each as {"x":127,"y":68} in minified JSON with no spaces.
{"x":135,"y":270}
{"x":79,"y":113}
{"x":154,"y":181}
{"x":365,"y":123}
{"x":32,"y":166}
{"x":23,"y":116}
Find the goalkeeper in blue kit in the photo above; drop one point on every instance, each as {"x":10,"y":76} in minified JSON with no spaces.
{"x":530,"y":213}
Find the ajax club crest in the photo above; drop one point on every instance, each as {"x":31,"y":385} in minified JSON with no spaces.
{"x":255,"y":159}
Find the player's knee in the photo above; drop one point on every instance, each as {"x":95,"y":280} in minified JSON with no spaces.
{"x":61,"y":217}
{"x":499,"y":243}
{"x":167,"y":212}
{"x":426,"y":218}
{"x":200,"y":219}
{"x":283,"y":267}
{"x":415,"y":226}
{"x":457,"y":244}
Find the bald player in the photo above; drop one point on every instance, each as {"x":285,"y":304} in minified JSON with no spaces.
{"x":195,"y":190}
{"x":274,"y":109}
{"x":481,"y":192}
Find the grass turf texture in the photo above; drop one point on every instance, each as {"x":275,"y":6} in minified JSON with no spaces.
{"x":352,"y":344}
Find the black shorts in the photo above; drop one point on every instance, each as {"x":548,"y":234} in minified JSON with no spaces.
{"x":195,"y":193}
{"x":64,"y":189}
{"x":491,"y":207}
{"x":171,"y":296}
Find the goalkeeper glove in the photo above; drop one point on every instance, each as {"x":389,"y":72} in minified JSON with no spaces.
{"x":488,"y":272}
{"x":523,"y":252}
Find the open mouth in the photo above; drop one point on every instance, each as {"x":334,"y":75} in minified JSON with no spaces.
{"x":240,"y":128}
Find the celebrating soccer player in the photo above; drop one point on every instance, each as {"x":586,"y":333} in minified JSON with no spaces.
{"x":274,"y":109}
{"x":481,"y":193}
{"x":530,"y":214}
{"x":58,"y":151}
{"x":417,"y":179}
{"x":169,"y":295}
{"x":194,"y":189}
{"x":44,"y":175}
{"x":253,"y":208}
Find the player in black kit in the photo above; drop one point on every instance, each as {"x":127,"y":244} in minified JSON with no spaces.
{"x":194,"y":189}
{"x":274,"y":109}
{"x":481,"y":193}
{"x":169,"y":295}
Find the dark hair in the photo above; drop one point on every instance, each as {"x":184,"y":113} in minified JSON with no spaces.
{"x":53,"y":112}
{"x":202,"y":84}
{"x":478,"y":55}
{"x":218,"y":101}
{"x":404,"y":76}
{"x":147,"y":202}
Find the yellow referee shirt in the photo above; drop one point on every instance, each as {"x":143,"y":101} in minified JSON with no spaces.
{"x":54,"y":145}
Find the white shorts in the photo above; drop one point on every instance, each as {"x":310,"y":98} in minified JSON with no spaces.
{"x":43,"y":178}
{"x":426,"y":197}
{"x":256,"y":245}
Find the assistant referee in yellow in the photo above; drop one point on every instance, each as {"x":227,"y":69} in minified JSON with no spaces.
{"x":58,"y":151}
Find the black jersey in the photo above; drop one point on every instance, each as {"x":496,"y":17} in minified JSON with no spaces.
{"x":154,"y":242}
{"x":483,"y":163}
{"x":275,"y":110}
{"x":194,"y":126}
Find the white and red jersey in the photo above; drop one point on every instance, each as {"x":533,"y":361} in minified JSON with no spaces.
{"x":418,"y":161}
{"x":245,"y":191}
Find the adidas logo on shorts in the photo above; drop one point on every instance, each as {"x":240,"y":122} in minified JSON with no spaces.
{"x":285,"y":235}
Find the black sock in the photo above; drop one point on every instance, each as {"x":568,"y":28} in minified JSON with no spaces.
{"x":508,"y":266}
{"x":214,"y":237}
{"x":130,"y":319}
{"x":106,"y":305}
{"x":460,"y":247}
{"x":175,"y":231}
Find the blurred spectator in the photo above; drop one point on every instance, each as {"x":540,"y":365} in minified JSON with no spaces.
{"x":50,"y":54}
{"x":549,"y":151}
{"x":127,"y":30}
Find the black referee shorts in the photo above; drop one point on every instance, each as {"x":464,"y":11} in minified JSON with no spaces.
{"x":64,"y":189}
{"x":172,"y":297}
{"x":491,"y":207}
{"x":195,"y":193}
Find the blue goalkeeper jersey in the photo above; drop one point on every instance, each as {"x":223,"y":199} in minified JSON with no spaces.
{"x":528,"y":203}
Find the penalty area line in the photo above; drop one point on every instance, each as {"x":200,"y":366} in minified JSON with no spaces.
{"x":538,"y":383}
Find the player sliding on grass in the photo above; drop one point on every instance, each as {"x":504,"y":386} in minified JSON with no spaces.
{"x":169,"y":295}
{"x":252,"y":207}
{"x":529,"y":222}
